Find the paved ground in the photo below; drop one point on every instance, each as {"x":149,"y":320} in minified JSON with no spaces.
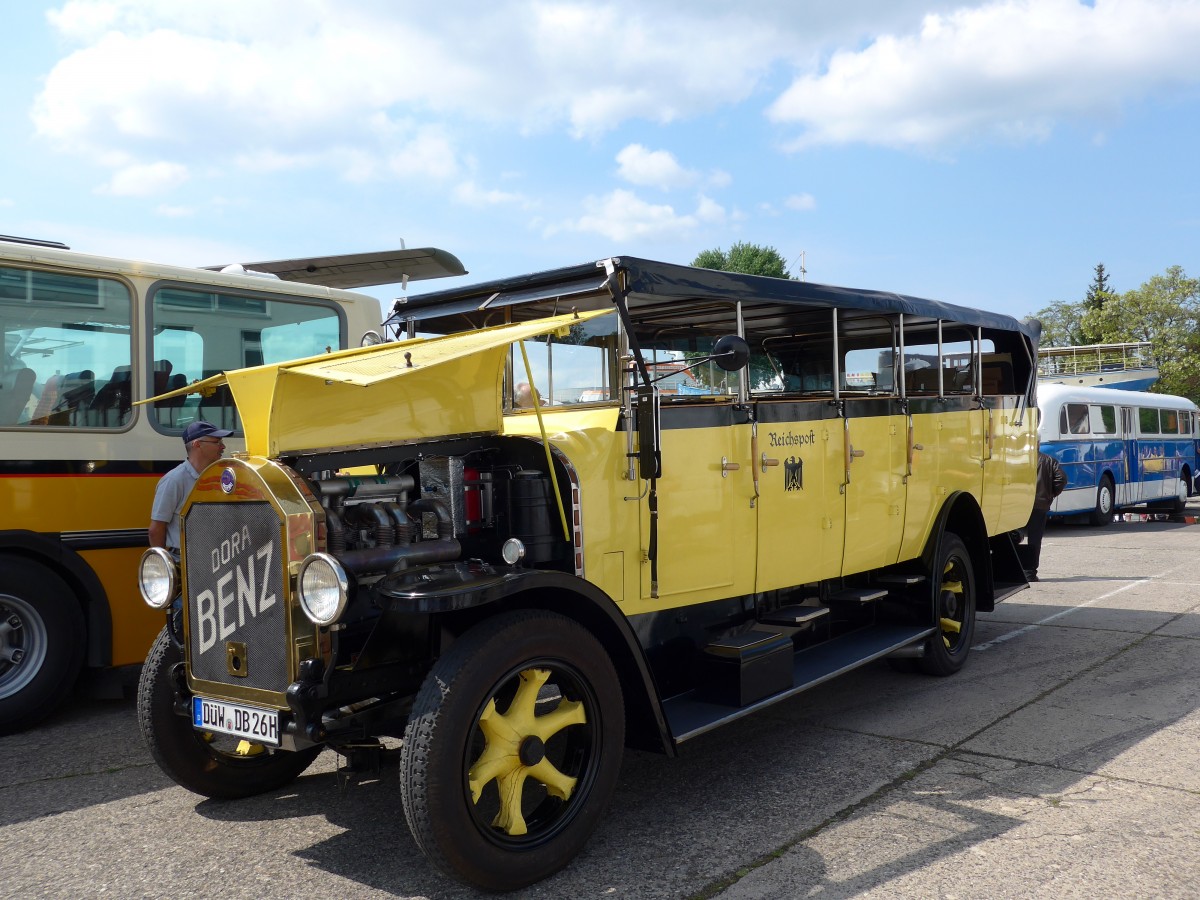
{"x":1060,"y":763}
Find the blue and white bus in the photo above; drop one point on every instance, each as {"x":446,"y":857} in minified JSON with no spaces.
{"x":1119,"y":449}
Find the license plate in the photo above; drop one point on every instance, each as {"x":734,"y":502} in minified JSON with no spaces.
{"x":258,"y":725}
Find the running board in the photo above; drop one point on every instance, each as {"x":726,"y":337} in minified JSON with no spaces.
{"x":689,"y":715}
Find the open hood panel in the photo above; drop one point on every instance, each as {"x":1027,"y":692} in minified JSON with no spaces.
{"x":404,"y":391}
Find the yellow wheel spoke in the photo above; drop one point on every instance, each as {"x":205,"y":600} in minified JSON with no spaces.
{"x":557,"y":784}
{"x":510,"y":819}
{"x":954,"y":587}
{"x":522,"y":712}
{"x":245,"y":748}
{"x":951,"y":625}
{"x":504,"y":734}
{"x":569,"y":712}
{"x":496,"y":761}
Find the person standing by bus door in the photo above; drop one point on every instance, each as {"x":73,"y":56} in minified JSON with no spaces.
{"x":204,"y":444}
{"x":1050,"y":483}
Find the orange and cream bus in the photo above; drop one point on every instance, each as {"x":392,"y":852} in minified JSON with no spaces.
{"x":85,"y":337}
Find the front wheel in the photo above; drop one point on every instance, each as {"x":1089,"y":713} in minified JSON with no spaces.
{"x":206,"y":763}
{"x":1103,"y":513}
{"x":954,"y":609}
{"x":512,"y":750}
{"x":41,"y":642}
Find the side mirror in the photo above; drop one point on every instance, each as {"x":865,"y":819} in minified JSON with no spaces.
{"x":731,"y":352}
{"x":649,"y":456}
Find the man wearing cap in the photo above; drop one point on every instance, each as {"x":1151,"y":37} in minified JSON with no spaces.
{"x":204,"y":444}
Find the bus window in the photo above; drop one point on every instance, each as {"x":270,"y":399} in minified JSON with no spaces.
{"x":1148,"y":421}
{"x":1074,"y":418}
{"x":1169,"y":419}
{"x":958,"y":360}
{"x":673,"y":349}
{"x":67,"y":350}
{"x":198,"y":334}
{"x":568,"y":369}
{"x":868,"y":364}
{"x":800,"y":362}
{"x":1103,"y":419}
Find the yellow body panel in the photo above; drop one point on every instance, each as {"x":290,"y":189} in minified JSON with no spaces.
{"x":875,"y":492}
{"x":135,"y":625}
{"x":716,"y":540}
{"x":77,"y":504}
{"x":706,"y":523}
{"x":801,"y":506}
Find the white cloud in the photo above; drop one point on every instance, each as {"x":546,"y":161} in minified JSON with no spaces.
{"x":709,"y":211}
{"x":652,"y":168}
{"x":174,"y":212}
{"x":621,"y":216}
{"x":801,"y":202}
{"x":368,"y":91}
{"x":1010,"y":69}
{"x":719,"y":178}
{"x":6,"y":203}
{"x":145,"y":180}
{"x":272,"y":85}
{"x":470,"y":194}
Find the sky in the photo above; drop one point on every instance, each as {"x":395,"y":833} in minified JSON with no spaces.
{"x":982,"y":153}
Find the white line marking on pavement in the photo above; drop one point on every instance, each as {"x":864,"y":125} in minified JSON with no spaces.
{"x":1058,"y":615}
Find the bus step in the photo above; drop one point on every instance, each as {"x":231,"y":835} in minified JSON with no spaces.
{"x":901,"y":579}
{"x":858,"y":595}
{"x":695,"y":712}
{"x":740,"y":669}
{"x":794,"y":616}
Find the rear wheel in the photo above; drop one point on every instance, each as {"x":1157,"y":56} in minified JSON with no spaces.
{"x":204,"y":762}
{"x":41,"y":642}
{"x":512,"y":750}
{"x":1103,"y":513}
{"x":954,"y":609}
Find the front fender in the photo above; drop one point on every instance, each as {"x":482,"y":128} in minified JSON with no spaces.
{"x":470,"y":586}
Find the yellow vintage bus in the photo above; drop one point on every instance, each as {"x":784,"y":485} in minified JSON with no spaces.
{"x":618,"y":504}
{"x":85,"y":338}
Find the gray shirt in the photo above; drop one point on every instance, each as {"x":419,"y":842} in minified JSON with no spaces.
{"x":173,"y":488}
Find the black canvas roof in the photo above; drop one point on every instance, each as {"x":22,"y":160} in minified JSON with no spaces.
{"x":650,"y":282}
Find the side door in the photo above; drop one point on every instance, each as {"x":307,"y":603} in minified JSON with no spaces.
{"x":874,"y":437}
{"x":706,"y":522}
{"x":799,"y":463}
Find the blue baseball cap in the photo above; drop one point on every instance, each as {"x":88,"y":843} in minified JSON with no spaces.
{"x":203,"y":429}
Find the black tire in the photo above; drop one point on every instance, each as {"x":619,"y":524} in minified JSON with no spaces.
{"x":1105,"y":504}
{"x":42,"y":634}
{"x":953,"y":609}
{"x":543,"y":670}
{"x":203,"y":762}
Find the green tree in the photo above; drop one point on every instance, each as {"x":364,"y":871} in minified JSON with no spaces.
{"x":1098,"y":294}
{"x":1164,"y":311}
{"x":1062,"y":324}
{"x":750,"y":259}
{"x":1098,"y":291}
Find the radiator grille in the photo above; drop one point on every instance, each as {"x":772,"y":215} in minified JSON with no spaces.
{"x":235,"y":594}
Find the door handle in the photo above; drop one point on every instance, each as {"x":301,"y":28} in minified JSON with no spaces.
{"x":727,"y":467}
{"x":766,"y":462}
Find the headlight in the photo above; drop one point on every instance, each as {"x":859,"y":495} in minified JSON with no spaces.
{"x":323,"y":588}
{"x":158,"y":577}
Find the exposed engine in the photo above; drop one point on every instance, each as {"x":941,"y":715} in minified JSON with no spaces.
{"x":439,"y":509}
